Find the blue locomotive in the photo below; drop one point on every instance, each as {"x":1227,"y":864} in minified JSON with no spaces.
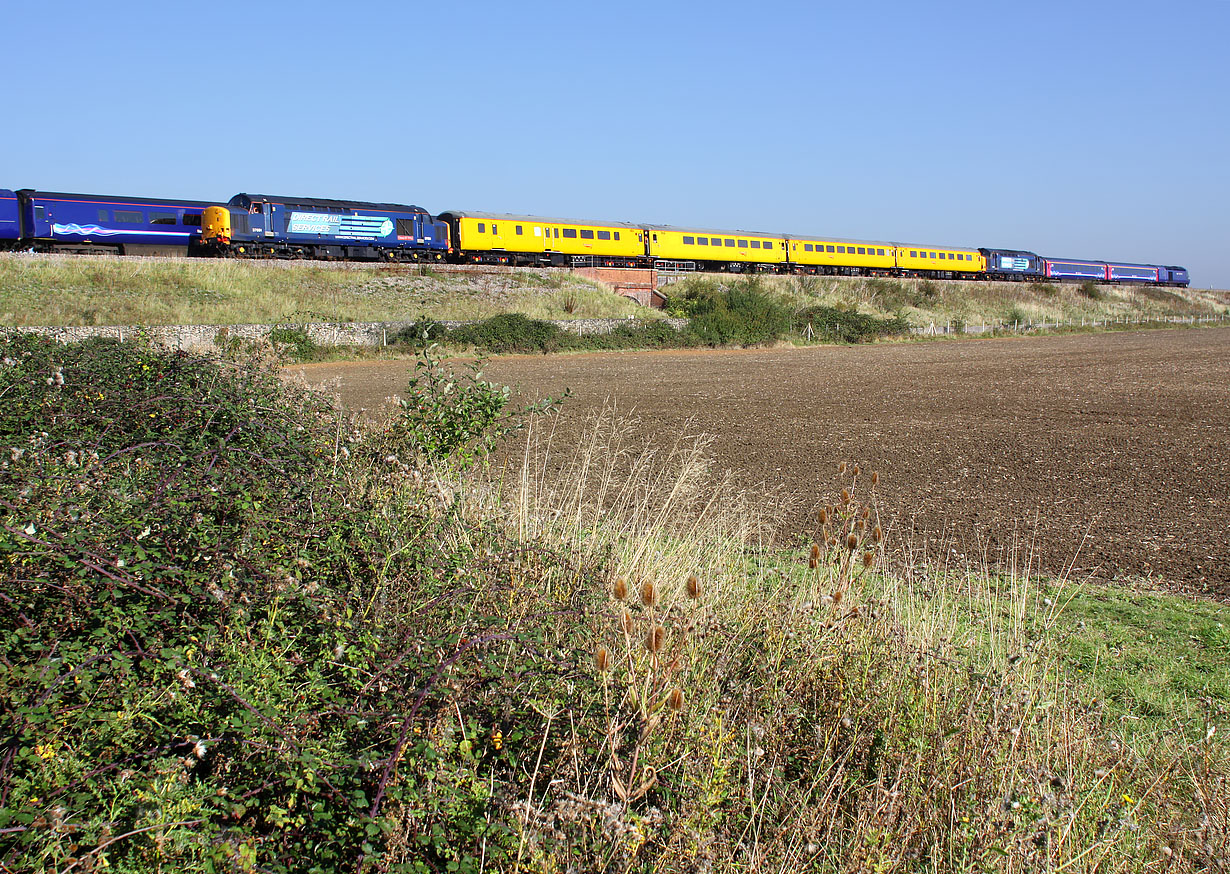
{"x":53,"y":221}
{"x":265,"y":226}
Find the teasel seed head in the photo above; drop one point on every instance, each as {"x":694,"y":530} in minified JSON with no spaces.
{"x":837,"y":596}
{"x":857,"y":470}
{"x":655,"y":638}
{"x":860,"y":525}
{"x":842,"y":468}
{"x":812,"y":564}
{"x":865,"y":512}
{"x":649,"y":595}
{"x":815,"y":551}
{"x":851,"y":541}
{"x":823,"y":516}
{"x":620,"y":589}
{"x":602,"y":659}
{"x":877,"y":534}
{"x":675,"y":700}
{"x":845,"y":496}
{"x":693,"y":587}
{"x":869,"y":559}
{"x":875,"y":477}
{"x":628,"y":622}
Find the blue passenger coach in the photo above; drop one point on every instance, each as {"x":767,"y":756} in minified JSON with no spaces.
{"x":61,"y":222}
{"x":10,"y":218}
{"x":262,"y":225}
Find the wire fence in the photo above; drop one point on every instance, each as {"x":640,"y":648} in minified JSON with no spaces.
{"x":1135,"y":319}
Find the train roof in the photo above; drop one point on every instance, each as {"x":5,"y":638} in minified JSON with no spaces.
{"x":26,"y":193}
{"x":244,"y":199}
{"x":540,"y":219}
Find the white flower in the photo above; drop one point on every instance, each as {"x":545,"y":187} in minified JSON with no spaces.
{"x":29,"y":529}
{"x":15,"y":453}
{"x":186,"y":678}
{"x":199,"y":750}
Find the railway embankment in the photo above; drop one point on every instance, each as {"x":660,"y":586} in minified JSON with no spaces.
{"x":66,"y":291}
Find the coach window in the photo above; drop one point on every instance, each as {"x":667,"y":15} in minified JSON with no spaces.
{"x":570,"y":233}
{"x":832,"y":248}
{"x":755,"y":244}
{"x":702,"y":241}
{"x":862,"y":250}
{"x":604,"y":235}
{"x":716,"y":241}
{"x":129,"y":217}
{"x":768,"y":244}
{"x":192,"y":219}
{"x":586,"y":235}
{"x":730,"y":244}
{"x":518,"y":230}
{"x":557,"y":233}
{"x":879,"y":251}
{"x":689,"y":241}
{"x":932,"y":254}
{"x":162,"y":218}
{"x":617,"y":235}
{"x":102,"y":215}
{"x":482,"y":227}
{"x":807,"y":247}
{"x":841,"y":249}
{"x":743,"y":244}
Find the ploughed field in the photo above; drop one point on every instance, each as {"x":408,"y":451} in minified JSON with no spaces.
{"x":1105,"y":454}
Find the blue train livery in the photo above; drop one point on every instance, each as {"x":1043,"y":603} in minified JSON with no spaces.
{"x":10,"y":223}
{"x":1173,"y":276}
{"x":261,"y":225}
{"x":1012,"y":264}
{"x":57,"y":221}
{"x":1119,"y":272}
{"x":1067,"y":269}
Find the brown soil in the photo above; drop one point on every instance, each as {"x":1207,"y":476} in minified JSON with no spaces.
{"x":1108,"y":454}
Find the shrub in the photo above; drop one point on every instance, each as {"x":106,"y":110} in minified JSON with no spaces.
{"x":421,"y":333}
{"x":295,"y":343}
{"x":1091,"y":290}
{"x":1015,"y":316}
{"x":510,"y":332}
{"x":843,"y":325}
{"x":741,"y":314}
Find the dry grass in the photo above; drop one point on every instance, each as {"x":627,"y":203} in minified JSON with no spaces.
{"x":797,"y":717}
{"x":58,"y":290}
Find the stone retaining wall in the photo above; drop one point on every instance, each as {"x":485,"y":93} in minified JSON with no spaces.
{"x":205,"y":337}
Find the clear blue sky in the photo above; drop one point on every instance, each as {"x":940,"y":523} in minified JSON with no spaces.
{"x":1094,"y":129}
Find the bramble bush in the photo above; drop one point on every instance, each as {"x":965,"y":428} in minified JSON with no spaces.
{"x":229,"y":626}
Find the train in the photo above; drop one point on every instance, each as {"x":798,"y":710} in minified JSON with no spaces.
{"x":271,"y":226}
